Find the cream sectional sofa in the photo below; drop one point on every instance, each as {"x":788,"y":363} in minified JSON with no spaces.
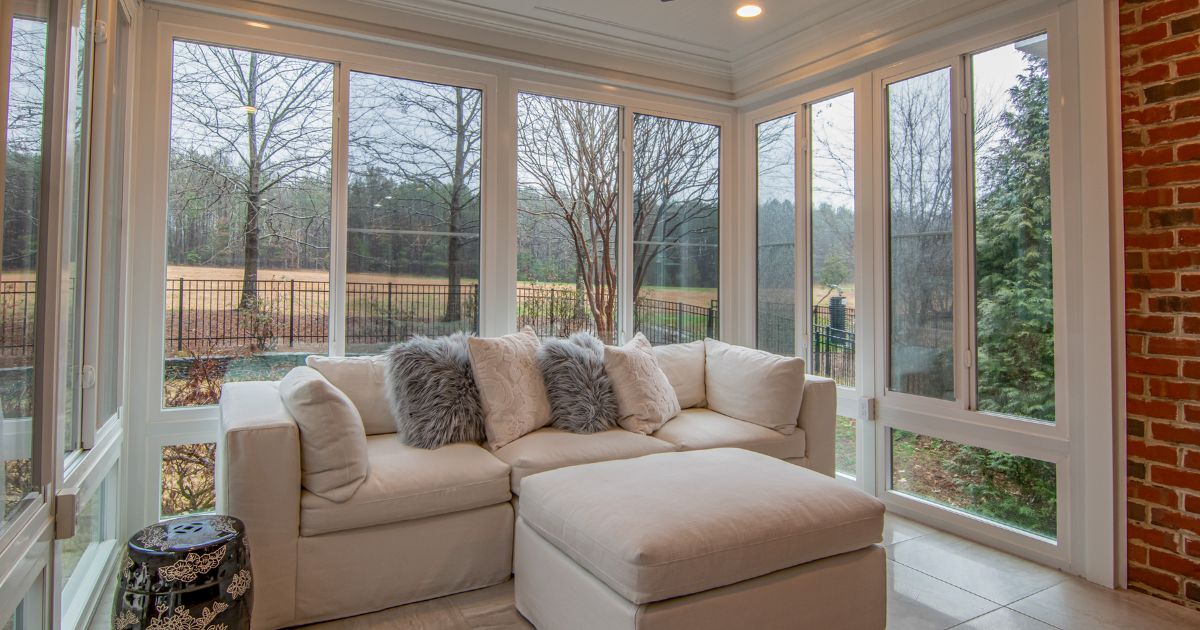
{"x":428,"y":523}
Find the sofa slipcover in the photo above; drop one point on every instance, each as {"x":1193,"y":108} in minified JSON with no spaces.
{"x":696,"y":429}
{"x":407,"y":483}
{"x":675,"y":524}
{"x":550,"y":448}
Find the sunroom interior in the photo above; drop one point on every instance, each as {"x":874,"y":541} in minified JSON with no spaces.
{"x":922,"y":200}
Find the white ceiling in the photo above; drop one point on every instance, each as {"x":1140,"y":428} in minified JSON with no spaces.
{"x":707,"y":28}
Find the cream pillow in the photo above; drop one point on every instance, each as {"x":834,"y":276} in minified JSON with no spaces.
{"x":333,"y":446}
{"x":510,"y":384}
{"x":362,"y":380}
{"x":645,"y":399}
{"x":754,"y":385}
{"x":683,"y":363}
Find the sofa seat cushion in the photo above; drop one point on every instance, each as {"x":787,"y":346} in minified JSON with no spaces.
{"x":408,"y":483}
{"x":674,"y":524}
{"x":696,"y":429}
{"x":550,"y":448}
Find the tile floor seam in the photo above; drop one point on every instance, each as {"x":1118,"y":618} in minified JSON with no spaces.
{"x":1034,"y":617}
{"x":966,"y":621}
{"x":961,"y":588}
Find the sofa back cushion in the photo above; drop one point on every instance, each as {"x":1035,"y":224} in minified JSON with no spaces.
{"x":510,"y":385}
{"x":683,"y":363}
{"x":362,"y":380}
{"x":333,"y":446}
{"x":645,"y":399}
{"x":753,"y":385}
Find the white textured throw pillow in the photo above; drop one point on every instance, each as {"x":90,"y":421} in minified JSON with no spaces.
{"x":510,"y":385}
{"x":754,"y":385}
{"x":333,"y":446}
{"x":645,"y":399}
{"x":362,"y":379}
{"x":683,"y":363}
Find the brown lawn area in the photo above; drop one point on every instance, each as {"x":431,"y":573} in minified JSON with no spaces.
{"x":697,"y":296}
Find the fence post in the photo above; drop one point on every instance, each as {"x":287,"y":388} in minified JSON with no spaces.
{"x":389,"y":312}
{"x":678,"y":321}
{"x":710,"y":324}
{"x":292,"y":314}
{"x":179,"y":330}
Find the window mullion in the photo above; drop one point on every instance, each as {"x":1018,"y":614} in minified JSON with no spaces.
{"x":340,"y":203}
{"x":625,"y":306}
{"x":964,"y":320}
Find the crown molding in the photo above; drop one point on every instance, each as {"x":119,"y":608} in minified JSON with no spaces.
{"x":582,"y":35}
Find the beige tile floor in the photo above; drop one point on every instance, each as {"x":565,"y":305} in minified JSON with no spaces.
{"x":936,"y":581}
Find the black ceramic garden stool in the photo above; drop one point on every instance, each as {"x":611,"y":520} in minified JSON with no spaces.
{"x":191,"y":572}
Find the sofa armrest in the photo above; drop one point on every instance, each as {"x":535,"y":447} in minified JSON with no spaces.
{"x":258,"y":477}
{"x":818,"y":420}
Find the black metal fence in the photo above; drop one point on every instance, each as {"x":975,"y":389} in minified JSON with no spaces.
{"x":832,"y":335}
{"x":18,"y":307}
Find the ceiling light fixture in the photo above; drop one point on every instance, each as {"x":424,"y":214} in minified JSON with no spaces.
{"x":258,"y":25}
{"x":250,"y":109}
{"x":749,"y":11}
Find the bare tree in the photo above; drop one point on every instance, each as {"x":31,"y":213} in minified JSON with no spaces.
{"x":676,"y":166}
{"x":428,"y":136}
{"x":567,"y":151}
{"x":269,"y":117}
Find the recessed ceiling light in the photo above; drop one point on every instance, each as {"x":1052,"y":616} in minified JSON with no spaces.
{"x":749,"y":11}
{"x":258,"y":25}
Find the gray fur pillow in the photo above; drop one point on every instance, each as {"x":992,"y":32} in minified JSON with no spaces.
{"x":432,"y":392}
{"x":580,"y":393}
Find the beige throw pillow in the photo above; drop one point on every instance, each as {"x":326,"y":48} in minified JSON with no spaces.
{"x":645,"y":399}
{"x":754,"y":385}
{"x":683,"y":363}
{"x":510,"y":384}
{"x":362,"y":380}
{"x":333,"y":446}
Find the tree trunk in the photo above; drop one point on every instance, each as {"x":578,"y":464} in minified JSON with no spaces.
{"x":253,"y":194}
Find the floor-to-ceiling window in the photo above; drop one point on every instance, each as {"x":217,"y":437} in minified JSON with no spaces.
{"x":1004,"y":365}
{"x":248,"y":234}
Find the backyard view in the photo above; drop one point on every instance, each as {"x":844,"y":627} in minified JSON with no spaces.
{"x":18,"y":260}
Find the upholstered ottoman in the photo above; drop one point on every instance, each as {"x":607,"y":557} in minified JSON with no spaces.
{"x":721,"y":538}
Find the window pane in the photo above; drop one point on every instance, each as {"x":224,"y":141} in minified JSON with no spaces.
{"x":832,"y":186}
{"x":18,"y":272}
{"x":921,"y":282}
{"x":1013,"y":490}
{"x":188,"y":479}
{"x":846,"y":451}
{"x":676,"y":200}
{"x":568,"y":183}
{"x":413,"y":242}
{"x":83,"y":558}
{"x":1014,"y":295}
{"x":247,"y":287}
{"x":777,"y":235}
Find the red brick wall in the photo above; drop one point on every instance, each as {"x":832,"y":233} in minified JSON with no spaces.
{"x":1160,"y":103}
